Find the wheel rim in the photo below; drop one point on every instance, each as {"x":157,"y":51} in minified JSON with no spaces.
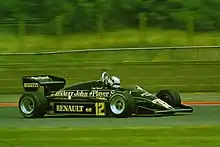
{"x":27,"y":105}
{"x":117,"y":105}
{"x":167,"y":98}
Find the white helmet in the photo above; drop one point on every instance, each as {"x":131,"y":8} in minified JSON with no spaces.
{"x":104,"y":77}
{"x":114,"y":82}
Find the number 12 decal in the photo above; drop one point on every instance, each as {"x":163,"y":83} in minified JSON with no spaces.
{"x":100,"y":109}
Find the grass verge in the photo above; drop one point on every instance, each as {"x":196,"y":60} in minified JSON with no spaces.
{"x":142,"y":136}
{"x":119,"y":38}
{"x":151,"y":69}
{"x":182,"y":76}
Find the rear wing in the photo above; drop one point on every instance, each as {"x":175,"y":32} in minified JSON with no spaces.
{"x":49,"y":82}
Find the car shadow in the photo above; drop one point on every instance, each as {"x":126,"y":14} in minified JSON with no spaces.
{"x":97,"y":117}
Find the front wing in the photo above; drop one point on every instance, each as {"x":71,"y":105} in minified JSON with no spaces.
{"x":181,"y":109}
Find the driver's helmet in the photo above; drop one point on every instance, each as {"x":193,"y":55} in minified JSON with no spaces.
{"x":114,"y":82}
{"x":104,"y":77}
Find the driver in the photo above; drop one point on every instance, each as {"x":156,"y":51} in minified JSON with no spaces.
{"x":114,"y":82}
{"x":104,"y":78}
{"x":110,"y":82}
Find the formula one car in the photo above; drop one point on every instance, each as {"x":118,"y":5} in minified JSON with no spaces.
{"x":47,"y":94}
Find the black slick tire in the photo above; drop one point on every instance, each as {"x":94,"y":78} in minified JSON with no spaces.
{"x":32,"y":105}
{"x":170,"y":96}
{"x":127,"y":103}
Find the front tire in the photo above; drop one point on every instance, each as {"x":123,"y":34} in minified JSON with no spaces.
{"x":32,"y":105}
{"x":170,"y":96}
{"x":121,"y":105}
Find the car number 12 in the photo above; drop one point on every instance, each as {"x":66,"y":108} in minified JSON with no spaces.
{"x":100,"y":109}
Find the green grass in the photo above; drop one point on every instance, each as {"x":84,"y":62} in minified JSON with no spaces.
{"x":188,"y":77}
{"x":150,"y":69}
{"x":182,"y":76}
{"x":119,"y":38}
{"x":140,"y":136}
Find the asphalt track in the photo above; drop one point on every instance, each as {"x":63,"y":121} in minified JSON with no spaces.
{"x":202,"y":115}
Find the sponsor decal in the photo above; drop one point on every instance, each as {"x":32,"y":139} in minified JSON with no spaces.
{"x":159,"y":101}
{"x":40,"y":78}
{"x":96,"y":93}
{"x":100,"y":109}
{"x":30,"y":84}
{"x":82,"y":93}
{"x":146,"y":94}
{"x":69,"y":108}
{"x":97,"y":88}
{"x":87,"y":108}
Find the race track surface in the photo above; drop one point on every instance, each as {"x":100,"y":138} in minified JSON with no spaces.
{"x":202,"y":115}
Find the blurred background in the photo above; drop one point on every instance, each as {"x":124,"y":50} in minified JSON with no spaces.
{"x":128,"y":23}
{"x":56,"y":25}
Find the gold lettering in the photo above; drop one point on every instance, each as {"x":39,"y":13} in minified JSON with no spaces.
{"x":81,"y":108}
{"x":88,"y":109}
{"x":76,"y":108}
{"x":100,"y":109}
{"x":97,"y":87}
{"x":69,"y":108}
{"x":64,"y":93}
{"x":66,"y":108}
{"x":96,"y":93}
{"x":81,"y":94}
{"x":59,"y":107}
{"x":30,"y":84}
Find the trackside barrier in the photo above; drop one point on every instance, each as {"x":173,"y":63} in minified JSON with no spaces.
{"x":110,"y":49}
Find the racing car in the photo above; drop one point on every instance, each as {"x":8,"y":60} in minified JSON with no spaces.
{"x":49,"y":95}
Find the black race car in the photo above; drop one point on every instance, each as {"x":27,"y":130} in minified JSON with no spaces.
{"x":46,"y":94}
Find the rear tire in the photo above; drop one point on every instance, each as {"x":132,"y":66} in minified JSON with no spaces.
{"x":32,"y":105}
{"x":121,"y":105}
{"x":170,"y":96}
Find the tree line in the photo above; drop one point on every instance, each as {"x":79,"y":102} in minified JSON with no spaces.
{"x":93,"y":15}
